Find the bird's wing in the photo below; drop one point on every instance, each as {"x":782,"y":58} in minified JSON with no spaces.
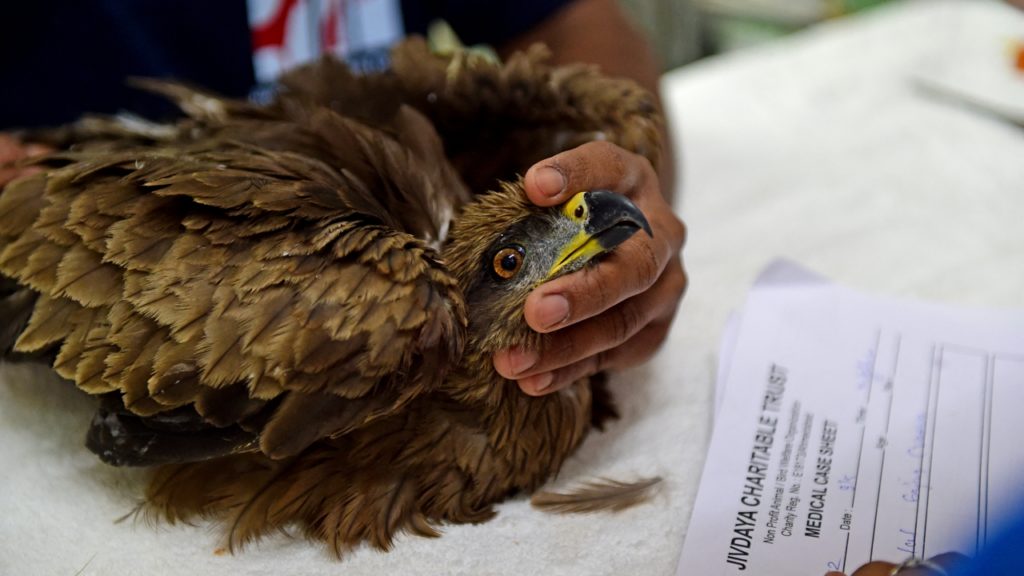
{"x":497,"y":119}
{"x":237,"y":277}
{"x":378,"y":100}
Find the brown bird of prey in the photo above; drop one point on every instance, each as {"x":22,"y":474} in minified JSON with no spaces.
{"x":290,"y":309}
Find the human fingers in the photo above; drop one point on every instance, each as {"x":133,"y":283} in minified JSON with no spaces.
{"x":630,"y":270}
{"x":636,"y":350}
{"x":623,"y":326}
{"x":635,"y":265}
{"x":594,"y":165}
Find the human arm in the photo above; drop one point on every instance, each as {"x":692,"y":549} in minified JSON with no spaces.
{"x":615,"y":315}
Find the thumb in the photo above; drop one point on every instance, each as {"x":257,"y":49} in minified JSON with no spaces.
{"x":545,"y":184}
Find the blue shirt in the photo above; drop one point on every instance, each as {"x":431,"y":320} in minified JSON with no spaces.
{"x":1002,"y":556}
{"x":62,"y":58}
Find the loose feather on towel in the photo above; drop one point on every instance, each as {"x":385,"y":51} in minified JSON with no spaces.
{"x":597,"y":495}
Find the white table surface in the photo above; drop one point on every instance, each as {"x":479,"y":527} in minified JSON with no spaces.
{"x":817,"y":148}
{"x":823,"y":149}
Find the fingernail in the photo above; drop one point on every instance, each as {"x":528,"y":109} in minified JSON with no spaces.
{"x":520,"y":360}
{"x":538,"y":383}
{"x":550,"y":181}
{"x":552,"y":310}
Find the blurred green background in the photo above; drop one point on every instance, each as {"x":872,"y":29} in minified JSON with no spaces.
{"x":685,"y":30}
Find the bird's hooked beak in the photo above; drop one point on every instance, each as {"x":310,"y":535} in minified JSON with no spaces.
{"x":604,"y":220}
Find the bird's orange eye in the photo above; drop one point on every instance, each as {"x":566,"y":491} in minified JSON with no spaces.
{"x":508,"y":261}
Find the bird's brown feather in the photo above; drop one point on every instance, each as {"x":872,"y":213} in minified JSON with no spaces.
{"x":597,"y":495}
{"x":264,"y":273}
{"x":522,"y":111}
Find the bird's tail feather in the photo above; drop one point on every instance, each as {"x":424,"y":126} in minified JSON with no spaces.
{"x":598,"y":495}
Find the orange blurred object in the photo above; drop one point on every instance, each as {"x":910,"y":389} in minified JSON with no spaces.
{"x":1020,"y":56}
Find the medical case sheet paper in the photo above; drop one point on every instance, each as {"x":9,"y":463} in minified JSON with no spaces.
{"x":854,"y":428}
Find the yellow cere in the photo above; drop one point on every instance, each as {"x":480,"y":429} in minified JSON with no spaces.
{"x":583,"y":246}
{"x":576,"y":207}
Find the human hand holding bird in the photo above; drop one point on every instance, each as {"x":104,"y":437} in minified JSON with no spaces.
{"x":607,"y":317}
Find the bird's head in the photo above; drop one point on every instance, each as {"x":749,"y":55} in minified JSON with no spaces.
{"x":502,"y":247}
